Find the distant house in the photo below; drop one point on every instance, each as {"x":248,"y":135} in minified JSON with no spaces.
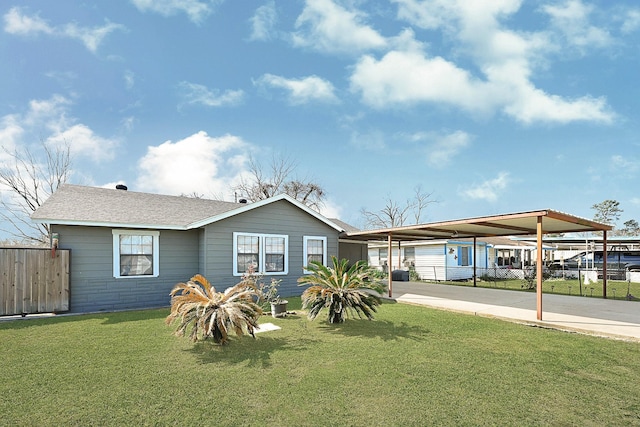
{"x":452,"y":259}
{"x":128,"y":249}
{"x":432,"y":260}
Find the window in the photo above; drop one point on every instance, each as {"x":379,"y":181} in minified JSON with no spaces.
{"x":409,"y":256}
{"x":315,"y":249}
{"x":135,"y":253}
{"x":383,"y":255}
{"x":464,"y":255}
{"x":267,"y":253}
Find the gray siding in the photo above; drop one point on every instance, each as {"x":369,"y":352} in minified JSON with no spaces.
{"x":353,"y":251}
{"x":276,"y":218}
{"x":93,"y":287}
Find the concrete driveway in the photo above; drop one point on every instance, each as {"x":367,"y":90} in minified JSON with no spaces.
{"x":594,"y":316}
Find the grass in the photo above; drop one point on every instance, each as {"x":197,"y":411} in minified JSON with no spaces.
{"x":411,"y":366}
{"x":616,"y":289}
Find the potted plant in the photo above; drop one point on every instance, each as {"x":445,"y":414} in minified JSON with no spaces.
{"x":269,"y":294}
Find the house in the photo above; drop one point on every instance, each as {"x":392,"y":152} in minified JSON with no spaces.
{"x":452,"y":259}
{"x":433,"y":259}
{"x":129,"y":249}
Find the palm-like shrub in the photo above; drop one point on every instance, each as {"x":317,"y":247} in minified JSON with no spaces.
{"x":214,"y":314}
{"x":345,"y":290}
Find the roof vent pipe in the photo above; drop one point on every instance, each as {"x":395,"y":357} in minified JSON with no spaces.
{"x":121,"y":187}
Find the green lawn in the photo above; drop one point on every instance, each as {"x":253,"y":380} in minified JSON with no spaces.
{"x":616,"y":289}
{"x":412,"y":366}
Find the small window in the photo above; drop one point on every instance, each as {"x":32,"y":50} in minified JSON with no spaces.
{"x":409,"y":256}
{"x":464,"y":255}
{"x":135,"y":253}
{"x":315,"y":249}
{"x":266,"y":253}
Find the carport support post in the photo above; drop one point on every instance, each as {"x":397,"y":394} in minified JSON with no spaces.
{"x":475,"y":282}
{"x":604,"y":264}
{"x":539,"y":269}
{"x":389,"y":257}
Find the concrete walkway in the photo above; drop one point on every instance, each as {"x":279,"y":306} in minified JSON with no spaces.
{"x":594,"y":316}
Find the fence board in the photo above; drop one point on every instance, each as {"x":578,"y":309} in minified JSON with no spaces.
{"x":33,"y":281}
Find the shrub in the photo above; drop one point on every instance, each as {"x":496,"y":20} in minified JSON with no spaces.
{"x":214,"y":314}
{"x":342,"y":289}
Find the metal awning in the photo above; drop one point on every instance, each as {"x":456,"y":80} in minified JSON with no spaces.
{"x":514,"y":224}
{"x":537,"y":223}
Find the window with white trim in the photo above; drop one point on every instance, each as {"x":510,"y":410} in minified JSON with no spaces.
{"x":135,"y":253}
{"x":266,"y":253}
{"x":315,"y":249}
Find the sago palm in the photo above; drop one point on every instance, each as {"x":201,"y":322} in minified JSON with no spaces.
{"x":214,"y":314}
{"x":345,"y":290}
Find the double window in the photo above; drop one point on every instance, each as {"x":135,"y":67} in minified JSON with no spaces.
{"x":266,"y":253}
{"x":135,"y":253}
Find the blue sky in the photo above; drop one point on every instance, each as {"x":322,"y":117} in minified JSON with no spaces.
{"x":493,"y":107}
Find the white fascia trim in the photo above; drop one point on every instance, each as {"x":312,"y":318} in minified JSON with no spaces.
{"x":113,"y":224}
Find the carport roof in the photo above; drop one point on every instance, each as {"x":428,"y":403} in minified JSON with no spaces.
{"x":513,"y":224}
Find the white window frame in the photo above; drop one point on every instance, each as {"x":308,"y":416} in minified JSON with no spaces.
{"x":261,"y":253}
{"x":305,"y":240}
{"x":116,"y":252}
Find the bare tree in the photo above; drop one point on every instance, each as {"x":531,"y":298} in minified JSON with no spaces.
{"x":396,"y":215}
{"x":607,"y":211}
{"x":26,"y":181}
{"x":262,"y":185}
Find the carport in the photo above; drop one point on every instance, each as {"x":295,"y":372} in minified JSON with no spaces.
{"x":536,"y":223}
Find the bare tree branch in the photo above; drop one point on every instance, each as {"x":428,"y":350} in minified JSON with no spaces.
{"x":25,"y":183}
{"x":261,"y":185}
{"x":395,"y":215}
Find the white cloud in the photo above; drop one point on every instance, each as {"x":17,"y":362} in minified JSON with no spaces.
{"x":18,"y":23}
{"x":625,"y":165}
{"x":53,"y":116}
{"x":442,"y":151}
{"x":199,"y":163}
{"x":328,"y":27}
{"x":301,"y":91}
{"x":263,"y":21}
{"x":572,"y":20}
{"x":631,"y":21}
{"x":501,"y":80}
{"x":193,"y":93}
{"x":10,"y":133}
{"x":372,"y":141}
{"x":196,"y":10}
{"x":490,"y":189}
{"x":409,"y":77}
{"x":84,"y":142}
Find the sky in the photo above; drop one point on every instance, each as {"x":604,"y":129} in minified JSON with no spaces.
{"x":493,"y":106}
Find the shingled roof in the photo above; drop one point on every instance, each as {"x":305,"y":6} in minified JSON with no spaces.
{"x":80,"y":205}
{"x":94,"y":206}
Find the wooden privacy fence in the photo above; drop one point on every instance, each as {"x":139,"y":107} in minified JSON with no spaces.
{"x":33,"y":281}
